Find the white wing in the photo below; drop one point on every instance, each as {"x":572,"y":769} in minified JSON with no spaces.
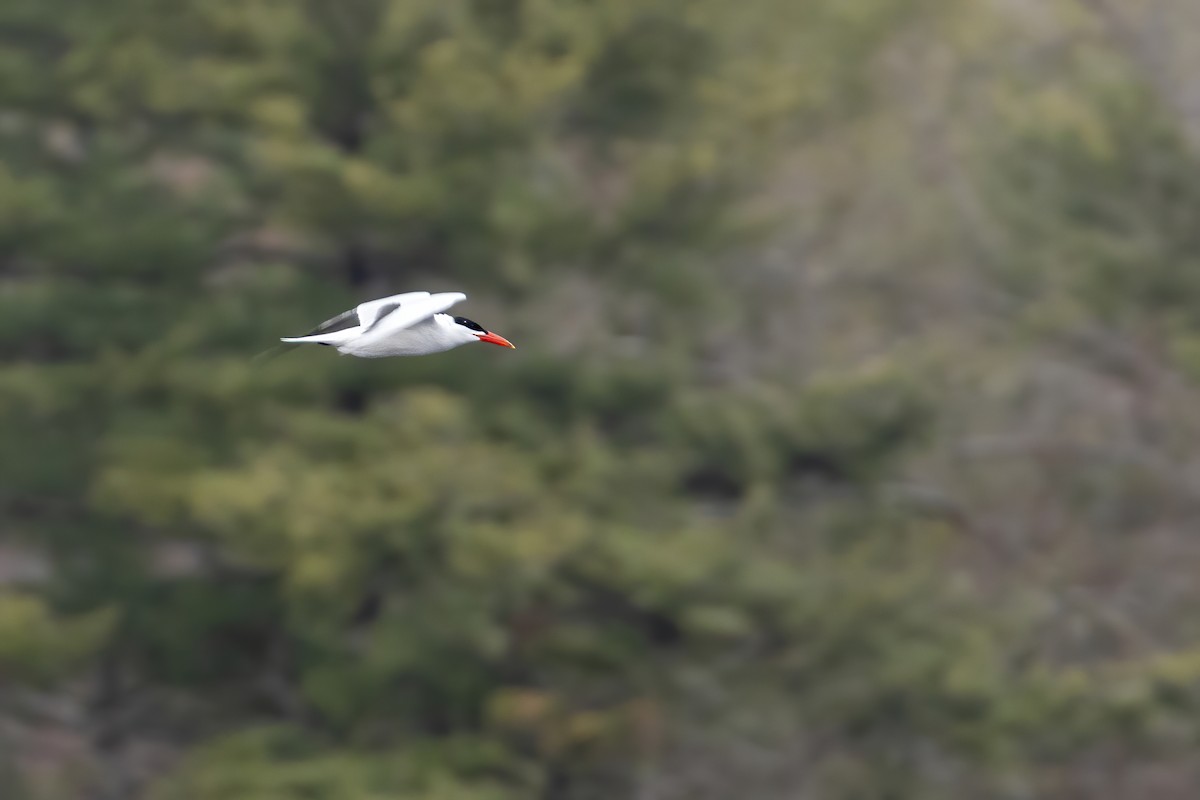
{"x":393,"y":315}
{"x":400,"y":311}
{"x":368,"y":312}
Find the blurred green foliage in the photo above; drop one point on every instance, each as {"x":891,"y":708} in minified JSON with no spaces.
{"x":590,"y":568}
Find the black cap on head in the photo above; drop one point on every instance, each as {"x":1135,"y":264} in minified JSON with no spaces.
{"x":466,"y":323}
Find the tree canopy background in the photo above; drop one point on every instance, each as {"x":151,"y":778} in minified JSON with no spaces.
{"x":850,"y":451}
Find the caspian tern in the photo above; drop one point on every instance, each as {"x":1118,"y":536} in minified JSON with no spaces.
{"x":409,"y":324}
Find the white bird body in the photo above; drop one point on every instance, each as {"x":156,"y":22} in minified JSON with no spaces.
{"x":409,"y":324}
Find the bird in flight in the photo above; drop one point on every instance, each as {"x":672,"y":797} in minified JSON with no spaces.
{"x":410,"y":324}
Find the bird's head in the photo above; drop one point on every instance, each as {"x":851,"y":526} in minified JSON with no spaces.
{"x":476,"y":332}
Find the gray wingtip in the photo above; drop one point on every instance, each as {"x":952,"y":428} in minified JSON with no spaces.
{"x":271,"y":353}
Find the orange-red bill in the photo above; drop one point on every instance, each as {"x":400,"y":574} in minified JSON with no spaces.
{"x":495,"y":338}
